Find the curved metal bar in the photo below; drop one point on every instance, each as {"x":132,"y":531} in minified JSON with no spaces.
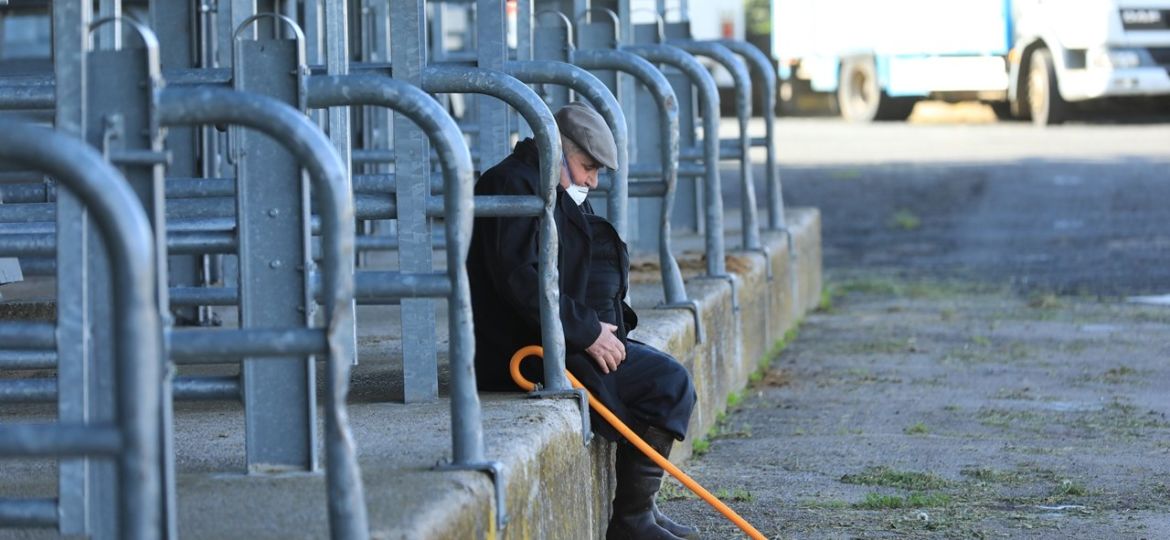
{"x":656,"y":83}
{"x":743,"y":110}
{"x":708,"y":95}
{"x":347,"y":510}
{"x":613,"y":19}
{"x":137,"y":324}
{"x":455,"y":160}
{"x":763,"y":68}
{"x":548,"y":140}
{"x":659,"y":21}
{"x":149,"y":40}
{"x":584,"y":83}
{"x":298,"y":34}
{"x":564,"y":18}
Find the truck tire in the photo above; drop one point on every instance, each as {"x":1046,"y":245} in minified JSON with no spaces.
{"x":861,"y":98}
{"x":1044,"y":101}
{"x":1002,"y":110}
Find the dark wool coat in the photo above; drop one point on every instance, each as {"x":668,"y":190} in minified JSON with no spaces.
{"x":649,"y":387}
{"x":502,"y":267}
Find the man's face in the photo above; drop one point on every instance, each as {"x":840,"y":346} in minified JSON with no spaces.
{"x":584,"y":170}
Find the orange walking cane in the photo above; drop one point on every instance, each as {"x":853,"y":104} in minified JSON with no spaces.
{"x":537,"y":350}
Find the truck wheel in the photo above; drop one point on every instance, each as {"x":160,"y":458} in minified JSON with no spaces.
{"x":1002,"y":110}
{"x":861,"y":98}
{"x":1044,"y":101}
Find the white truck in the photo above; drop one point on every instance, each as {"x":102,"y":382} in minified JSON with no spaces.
{"x":1026,"y":58}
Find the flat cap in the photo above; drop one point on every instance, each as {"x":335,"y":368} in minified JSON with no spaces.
{"x":585,"y":127}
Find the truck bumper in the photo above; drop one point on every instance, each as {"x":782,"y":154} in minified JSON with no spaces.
{"x":1080,"y":85}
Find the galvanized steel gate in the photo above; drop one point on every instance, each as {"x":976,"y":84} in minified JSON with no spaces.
{"x":251,"y":139}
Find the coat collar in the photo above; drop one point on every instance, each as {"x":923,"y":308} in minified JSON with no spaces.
{"x":527,"y":153}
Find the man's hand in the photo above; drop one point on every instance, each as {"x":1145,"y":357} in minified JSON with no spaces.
{"x":607,"y":350}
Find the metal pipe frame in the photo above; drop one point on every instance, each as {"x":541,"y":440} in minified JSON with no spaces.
{"x":458,"y":210}
{"x":446,"y":79}
{"x":137,"y":324}
{"x":592,"y":89}
{"x":743,"y":111}
{"x":708,"y":95}
{"x":193,"y":106}
{"x":762,"y":66}
{"x":658,"y":87}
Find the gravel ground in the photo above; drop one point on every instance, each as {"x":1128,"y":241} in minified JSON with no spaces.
{"x":928,"y":409}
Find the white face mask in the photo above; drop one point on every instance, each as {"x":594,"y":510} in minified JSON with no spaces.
{"x":576,"y":192}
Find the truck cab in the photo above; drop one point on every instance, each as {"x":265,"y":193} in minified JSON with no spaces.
{"x":1067,"y":52}
{"x":1026,"y":58}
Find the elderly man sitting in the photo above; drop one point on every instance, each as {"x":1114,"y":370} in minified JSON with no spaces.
{"x":648,"y":389}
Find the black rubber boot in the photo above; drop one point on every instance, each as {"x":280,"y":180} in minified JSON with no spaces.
{"x":638,"y":480}
{"x":663,"y":442}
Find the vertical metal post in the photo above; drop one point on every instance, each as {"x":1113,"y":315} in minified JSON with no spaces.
{"x":78,"y":486}
{"x":491,"y":53}
{"x":172,"y":24}
{"x":689,"y":197}
{"x":179,"y":48}
{"x":602,"y":33}
{"x":273,"y":228}
{"x":649,"y":144}
{"x":767,"y":74}
{"x":337,"y":63}
{"x":110,"y":35}
{"x":122,"y":102}
{"x":413,"y":171}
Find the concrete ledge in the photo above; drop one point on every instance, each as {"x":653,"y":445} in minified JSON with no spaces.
{"x":556,"y":486}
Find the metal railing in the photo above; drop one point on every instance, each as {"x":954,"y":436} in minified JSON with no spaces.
{"x":132,"y":438}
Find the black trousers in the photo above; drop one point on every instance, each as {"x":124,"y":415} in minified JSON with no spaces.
{"x":649,"y":388}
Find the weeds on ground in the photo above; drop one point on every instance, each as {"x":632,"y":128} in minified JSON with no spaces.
{"x":878,"y":501}
{"x":672,"y":490}
{"x":917,"y":429}
{"x":1069,"y":488}
{"x":1044,"y":301}
{"x":905,"y":220}
{"x":735,"y":495}
{"x":828,"y":504}
{"x":886,"y":476}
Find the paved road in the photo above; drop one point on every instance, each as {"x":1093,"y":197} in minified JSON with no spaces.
{"x":1075,"y":208}
{"x":949,"y":393}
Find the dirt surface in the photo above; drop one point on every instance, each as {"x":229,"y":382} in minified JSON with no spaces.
{"x":928,"y":409}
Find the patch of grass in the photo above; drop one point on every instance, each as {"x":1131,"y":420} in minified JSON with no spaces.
{"x":700,"y":446}
{"x":905,"y":220}
{"x":734,"y":399}
{"x":988,"y":475}
{"x":878,"y":501}
{"x":828,"y":294}
{"x":671,"y":490}
{"x":1015,"y":393}
{"x":1075,"y":346}
{"x":886,"y":476}
{"x":1003,"y":418}
{"x":885,"y":346}
{"x":761,"y":373}
{"x":1043,"y":301}
{"x":917,"y":429}
{"x":734,"y":495}
{"x":828,"y":504}
{"x":1118,"y":374}
{"x":982,"y":341}
{"x":947,"y":314}
{"x":1069,"y":488}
